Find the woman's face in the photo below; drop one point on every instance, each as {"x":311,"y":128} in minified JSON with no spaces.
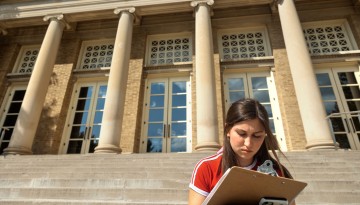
{"x":246,"y":138}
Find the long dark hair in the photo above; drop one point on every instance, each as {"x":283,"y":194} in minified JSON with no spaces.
{"x":249,"y":109}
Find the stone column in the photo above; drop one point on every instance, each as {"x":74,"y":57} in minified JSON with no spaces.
{"x":206,"y":106}
{"x":317,"y":130}
{"x":115,"y":98}
{"x":28,"y":119}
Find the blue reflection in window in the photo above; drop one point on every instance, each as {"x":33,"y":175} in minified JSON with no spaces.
{"x":236,"y":84}
{"x":157,"y":101}
{"x":80,"y":118}
{"x":156,"y":115}
{"x":157,"y":88}
{"x":95,"y":133}
{"x":179,"y":87}
{"x":83,"y":105}
{"x":154,"y":145}
{"x":178,"y":129}
{"x":268,"y":109}
{"x":98,"y":117}
{"x":102,"y":91}
{"x":331,"y":107}
{"x":100,"y":104}
{"x":327,"y":94}
{"x":178,"y":145}
{"x":178,"y":114}
{"x":178,"y":100}
{"x":323,"y":79}
{"x":85,"y":92}
{"x":261,"y":95}
{"x":259,"y":83}
{"x":272,"y":125}
{"x":155,"y":130}
{"x":234,"y":96}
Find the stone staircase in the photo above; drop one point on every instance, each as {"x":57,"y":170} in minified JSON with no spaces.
{"x":333,"y":177}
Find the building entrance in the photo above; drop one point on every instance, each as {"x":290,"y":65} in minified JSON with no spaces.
{"x":340,"y":91}
{"x":167,"y":115}
{"x":84,"y":122}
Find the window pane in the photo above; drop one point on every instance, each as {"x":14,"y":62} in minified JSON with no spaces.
{"x":157,"y":101}
{"x":343,"y":141}
{"x":80,"y":118}
{"x":102,"y":91}
{"x":331,"y":107}
{"x":98,"y":117}
{"x":261,"y":95}
{"x":8,"y":134}
{"x":100,"y":104}
{"x":236,"y":84}
{"x":74,"y":147}
{"x":10,"y":120}
{"x":178,"y":129}
{"x":351,"y":92}
{"x":93,"y":144}
{"x":268,"y":109}
{"x":3,"y":146}
{"x":337,"y":124}
{"x":347,"y":78}
{"x":83,"y":105}
{"x":178,"y":114}
{"x":179,"y":87}
{"x":178,"y":145}
{"x":85,"y":92}
{"x":78,"y":132}
{"x":156,"y":130}
{"x":179,"y":100}
{"x":259,"y":83}
{"x":19,"y":95}
{"x":323,"y":79}
{"x":327,"y":94}
{"x":154,"y":145}
{"x":156,"y":115}
{"x":95,"y":131}
{"x":15,"y":107}
{"x":354,"y":105}
{"x":157,"y":88}
{"x":234,"y":96}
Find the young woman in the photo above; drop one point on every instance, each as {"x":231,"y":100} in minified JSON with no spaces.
{"x":247,"y":142}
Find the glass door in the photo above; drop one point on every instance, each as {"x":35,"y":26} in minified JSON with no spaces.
{"x":11,"y":113}
{"x":84,"y":124}
{"x":259,"y":86}
{"x":167,"y":124}
{"x":340,"y":91}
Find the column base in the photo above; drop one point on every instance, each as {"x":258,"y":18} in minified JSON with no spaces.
{"x":17,"y":150}
{"x":316,"y":145}
{"x":207,"y":147}
{"x":106,"y":149}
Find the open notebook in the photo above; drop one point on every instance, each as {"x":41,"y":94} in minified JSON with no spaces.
{"x":241,"y":186}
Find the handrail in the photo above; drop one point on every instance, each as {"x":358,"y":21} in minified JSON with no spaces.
{"x":341,"y":113}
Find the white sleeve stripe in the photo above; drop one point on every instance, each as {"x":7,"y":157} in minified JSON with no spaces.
{"x":197,"y":190}
{"x":202,"y":161}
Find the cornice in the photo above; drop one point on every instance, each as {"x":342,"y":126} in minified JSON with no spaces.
{"x":29,"y":13}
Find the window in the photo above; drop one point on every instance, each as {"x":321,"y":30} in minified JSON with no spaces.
{"x":26,"y":59}
{"x":169,"y":50}
{"x":328,"y":38}
{"x":96,"y":55}
{"x":243,"y":44}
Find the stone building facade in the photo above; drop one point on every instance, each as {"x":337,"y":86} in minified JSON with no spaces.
{"x":158,"y":76}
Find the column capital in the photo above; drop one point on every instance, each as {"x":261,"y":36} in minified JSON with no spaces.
{"x":199,"y":2}
{"x":59,"y":18}
{"x":131,"y":10}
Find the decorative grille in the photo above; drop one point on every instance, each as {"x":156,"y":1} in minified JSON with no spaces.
{"x":172,"y":50}
{"x":27,"y":60}
{"x":243,"y":45}
{"x":96,"y":55}
{"x":327,"y":39}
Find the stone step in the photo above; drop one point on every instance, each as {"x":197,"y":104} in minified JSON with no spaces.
{"x":325,"y":197}
{"x":123,"y":195}
{"x":90,"y":183}
{"x":81,"y":202}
